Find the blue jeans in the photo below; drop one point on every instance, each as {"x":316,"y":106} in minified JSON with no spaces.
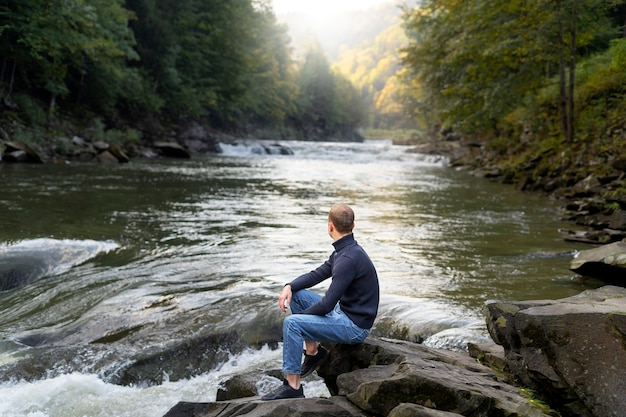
{"x":334,"y":327}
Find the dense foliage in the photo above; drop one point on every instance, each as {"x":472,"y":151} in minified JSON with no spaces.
{"x":474,"y":63}
{"x":542,"y":84}
{"x":225,"y":61}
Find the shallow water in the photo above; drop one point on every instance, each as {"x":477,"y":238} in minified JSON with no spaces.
{"x":155,"y":252}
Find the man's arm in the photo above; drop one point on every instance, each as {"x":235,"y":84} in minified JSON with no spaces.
{"x":343,"y":275}
{"x":312,"y":278}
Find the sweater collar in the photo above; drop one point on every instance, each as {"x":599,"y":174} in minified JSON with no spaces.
{"x":343,"y":242}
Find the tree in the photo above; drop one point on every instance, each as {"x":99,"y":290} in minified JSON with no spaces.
{"x":476,"y":61}
{"x":48,"y":41}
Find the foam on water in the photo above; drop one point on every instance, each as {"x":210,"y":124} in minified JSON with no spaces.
{"x":78,"y":394}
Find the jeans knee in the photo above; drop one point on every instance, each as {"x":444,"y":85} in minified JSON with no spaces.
{"x":287,"y":323}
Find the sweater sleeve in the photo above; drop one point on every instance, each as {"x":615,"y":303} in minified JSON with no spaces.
{"x":314,"y":277}
{"x":343,"y":275}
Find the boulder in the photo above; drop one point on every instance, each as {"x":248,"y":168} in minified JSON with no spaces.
{"x":21,"y":152}
{"x":571,"y":351}
{"x":401,"y":373}
{"x":172,"y":150}
{"x":277,"y":149}
{"x":254,"y":407}
{"x":587,"y":187}
{"x":243,"y":385}
{"x":119,"y":153}
{"x":385,"y":377}
{"x":106,"y":157}
{"x":606,"y":263}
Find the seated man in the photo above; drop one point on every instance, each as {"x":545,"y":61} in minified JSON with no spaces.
{"x":345,"y":314}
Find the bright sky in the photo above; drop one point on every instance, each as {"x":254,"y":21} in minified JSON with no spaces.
{"x":321,"y":7}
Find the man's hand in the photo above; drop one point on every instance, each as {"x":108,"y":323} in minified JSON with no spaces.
{"x":285,"y":298}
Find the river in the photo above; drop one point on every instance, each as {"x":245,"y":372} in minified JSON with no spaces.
{"x":134,"y":258}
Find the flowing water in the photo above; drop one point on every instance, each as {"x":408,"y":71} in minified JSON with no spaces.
{"x":112,"y":261}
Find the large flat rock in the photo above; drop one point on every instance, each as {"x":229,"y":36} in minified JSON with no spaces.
{"x":572,"y":351}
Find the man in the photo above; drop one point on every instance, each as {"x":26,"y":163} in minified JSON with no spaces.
{"x":345,"y":314}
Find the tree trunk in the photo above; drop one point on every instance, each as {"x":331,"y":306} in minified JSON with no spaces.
{"x":572,"y":77}
{"x":562,"y":75}
{"x":51,"y":109}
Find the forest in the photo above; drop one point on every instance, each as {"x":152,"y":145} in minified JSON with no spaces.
{"x":123,"y":65}
{"x":533,"y":80}
{"x":542,"y":83}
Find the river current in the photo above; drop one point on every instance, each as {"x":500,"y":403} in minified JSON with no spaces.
{"x":123,"y":259}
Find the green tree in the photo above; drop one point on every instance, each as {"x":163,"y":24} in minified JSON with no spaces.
{"x":477,"y":61}
{"x":316,"y":89}
{"x":48,"y":42}
{"x":271,"y":91}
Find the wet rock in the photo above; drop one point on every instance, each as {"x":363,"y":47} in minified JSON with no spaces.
{"x":606,"y":263}
{"x":414,"y":410}
{"x":106,"y":157}
{"x":390,"y":378}
{"x":172,"y":150}
{"x":254,"y":407}
{"x":277,"y":149}
{"x":243,"y":385}
{"x":571,"y":351}
{"x":402,"y":372}
{"x":490,"y":354}
{"x":187,"y":359}
{"x":119,"y":153}
{"x":21,"y":152}
{"x":101,"y":146}
{"x":198,"y":138}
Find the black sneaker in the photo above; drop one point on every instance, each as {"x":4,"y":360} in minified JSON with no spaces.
{"x":311,"y":363}
{"x":283,"y":392}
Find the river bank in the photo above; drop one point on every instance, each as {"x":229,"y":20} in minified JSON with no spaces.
{"x":589,"y":186}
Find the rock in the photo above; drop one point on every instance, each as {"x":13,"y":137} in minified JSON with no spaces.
{"x":253,"y":407}
{"x":21,"y":152}
{"x":106,"y":157}
{"x":618,"y":220}
{"x":403,"y":372}
{"x":202,"y":354}
{"x":277,"y":149}
{"x":587,"y":187}
{"x":119,"y":154}
{"x":490,"y":354}
{"x":172,"y":150}
{"x":78,"y":141}
{"x":241,"y":386}
{"x":100,"y":146}
{"x":390,"y":378}
{"x":198,"y":138}
{"x":606,"y":263}
{"x":572,"y":351}
{"x":414,"y":410}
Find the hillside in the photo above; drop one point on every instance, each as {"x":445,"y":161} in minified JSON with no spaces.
{"x":362,"y":46}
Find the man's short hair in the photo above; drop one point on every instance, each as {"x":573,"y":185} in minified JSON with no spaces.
{"x":342,"y":218}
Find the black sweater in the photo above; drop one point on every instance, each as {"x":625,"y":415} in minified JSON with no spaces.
{"x":354,"y":283}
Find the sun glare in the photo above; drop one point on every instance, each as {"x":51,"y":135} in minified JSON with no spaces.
{"x":320,"y":8}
